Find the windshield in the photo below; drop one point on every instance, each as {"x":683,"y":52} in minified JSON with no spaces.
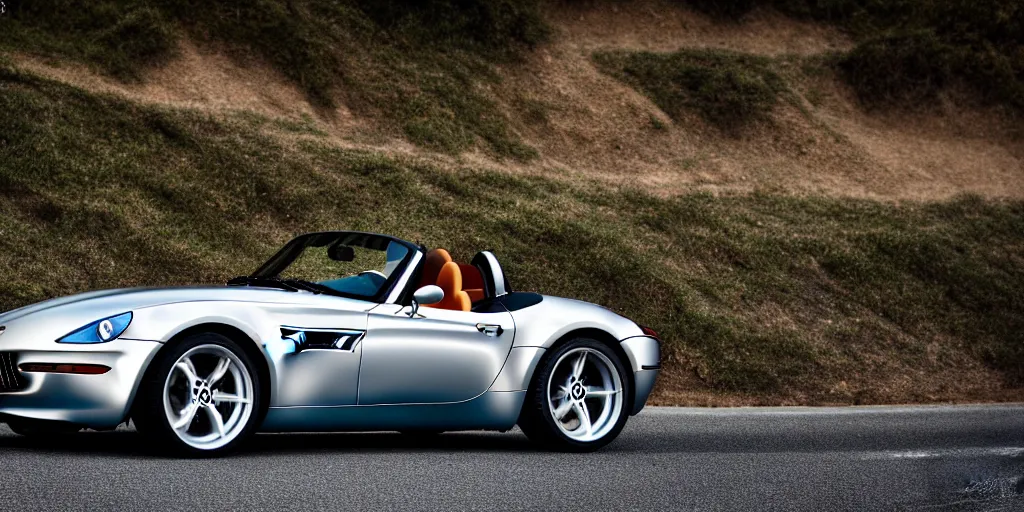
{"x":359,"y":265}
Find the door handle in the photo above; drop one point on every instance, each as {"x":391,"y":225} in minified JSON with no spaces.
{"x":490,"y":329}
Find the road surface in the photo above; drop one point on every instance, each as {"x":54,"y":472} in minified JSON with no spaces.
{"x":830,"y":459}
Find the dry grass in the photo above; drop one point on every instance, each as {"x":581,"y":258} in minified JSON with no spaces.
{"x":761,"y":298}
{"x":587,"y":126}
{"x":662,"y":26}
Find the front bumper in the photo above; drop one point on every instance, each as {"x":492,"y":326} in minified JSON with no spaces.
{"x":99,"y":401}
{"x":644,"y":353}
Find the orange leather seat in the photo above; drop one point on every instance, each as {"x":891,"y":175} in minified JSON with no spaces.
{"x":450,"y":280}
{"x":472,"y":282}
{"x":435,"y":259}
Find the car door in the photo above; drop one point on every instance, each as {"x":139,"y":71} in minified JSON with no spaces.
{"x":316,"y":358}
{"x":441,"y":356}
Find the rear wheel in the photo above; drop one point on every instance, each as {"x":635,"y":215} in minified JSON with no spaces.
{"x":200,"y":397}
{"x":578,"y":398}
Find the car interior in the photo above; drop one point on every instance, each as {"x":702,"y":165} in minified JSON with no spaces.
{"x":462,"y":283}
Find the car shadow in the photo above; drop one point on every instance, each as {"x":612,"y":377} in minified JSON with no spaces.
{"x":128,"y":443}
{"x":390,"y":442}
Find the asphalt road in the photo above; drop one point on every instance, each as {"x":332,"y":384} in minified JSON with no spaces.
{"x":920,"y":458}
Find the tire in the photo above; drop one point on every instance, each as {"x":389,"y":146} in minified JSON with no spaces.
{"x":601,"y":391}
{"x":39,"y":428}
{"x":202,"y":379}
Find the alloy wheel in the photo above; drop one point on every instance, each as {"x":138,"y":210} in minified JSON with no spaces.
{"x":585,"y":394}
{"x":208,"y":397}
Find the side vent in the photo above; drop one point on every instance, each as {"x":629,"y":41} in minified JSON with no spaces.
{"x":10,"y":378}
{"x":322,"y":339}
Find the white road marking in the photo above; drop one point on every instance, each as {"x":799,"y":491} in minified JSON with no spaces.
{"x":830,"y":411}
{"x":997,"y":451}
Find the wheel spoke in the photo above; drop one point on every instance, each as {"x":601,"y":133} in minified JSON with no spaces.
{"x":218,"y":373}
{"x":186,"y":417}
{"x":585,"y":379}
{"x":216,"y":419}
{"x":562,"y":410}
{"x":577,"y":369}
{"x":595,"y":391}
{"x":225,"y":397}
{"x":191,"y":367}
{"x":185,"y":366}
{"x":216,"y":405}
{"x":583,"y":414}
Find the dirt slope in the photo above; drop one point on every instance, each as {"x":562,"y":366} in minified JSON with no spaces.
{"x":596,"y":128}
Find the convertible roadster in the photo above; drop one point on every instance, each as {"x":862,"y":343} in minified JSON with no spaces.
{"x":338,"y":331}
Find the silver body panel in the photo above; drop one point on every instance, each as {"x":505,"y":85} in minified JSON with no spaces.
{"x":438,"y":357}
{"x":644,"y":355}
{"x":441,"y":370}
{"x":493,"y":410}
{"x":95,"y":400}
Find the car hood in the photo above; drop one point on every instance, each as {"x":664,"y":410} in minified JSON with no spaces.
{"x":112,"y":302}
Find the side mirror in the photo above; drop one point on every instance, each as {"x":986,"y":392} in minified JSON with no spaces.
{"x":430,"y":294}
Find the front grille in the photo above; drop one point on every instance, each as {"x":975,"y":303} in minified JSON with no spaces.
{"x":10,"y":378}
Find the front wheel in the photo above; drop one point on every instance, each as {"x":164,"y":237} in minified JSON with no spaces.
{"x":578,"y":398}
{"x":201,"y":397}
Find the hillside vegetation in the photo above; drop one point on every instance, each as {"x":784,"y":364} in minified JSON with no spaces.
{"x":909,"y":50}
{"x":418,"y":64}
{"x":763,"y":294}
{"x":423,"y":65}
{"x":728,"y":89}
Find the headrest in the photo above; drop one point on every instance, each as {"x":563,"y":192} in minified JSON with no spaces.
{"x":432,"y":264}
{"x":438,"y":257}
{"x":450,"y":278}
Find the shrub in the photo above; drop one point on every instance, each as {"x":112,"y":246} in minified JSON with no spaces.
{"x":491,"y":25}
{"x":895,"y":68}
{"x":121,"y":37}
{"x":283,"y":32}
{"x":141,"y":35}
{"x":908,"y":50}
{"x":727,"y":89}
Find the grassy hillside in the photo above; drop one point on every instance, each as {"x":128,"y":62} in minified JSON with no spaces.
{"x":910,"y":50}
{"x":770,"y":297}
{"x":764,"y":291}
{"x":428,"y":68}
{"x":729,"y":90}
{"x":421,"y":66}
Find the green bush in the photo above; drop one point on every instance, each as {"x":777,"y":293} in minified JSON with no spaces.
{"x":491,"y":25}
{"x":908,"y":50}
{"x":285,"y":33}
{"x":727,"y":89}
{"x":898,"y":68}
{"x":121,"y":37}
{"x":141,"y":35}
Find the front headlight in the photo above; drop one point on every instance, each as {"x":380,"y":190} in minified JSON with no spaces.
{"x":100,"y":331}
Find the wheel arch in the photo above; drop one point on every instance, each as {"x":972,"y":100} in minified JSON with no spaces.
{"x":603,"y":337}
{"x":244,"y":341}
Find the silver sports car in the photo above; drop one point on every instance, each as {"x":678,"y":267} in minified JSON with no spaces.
{"x":338,"y":331}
